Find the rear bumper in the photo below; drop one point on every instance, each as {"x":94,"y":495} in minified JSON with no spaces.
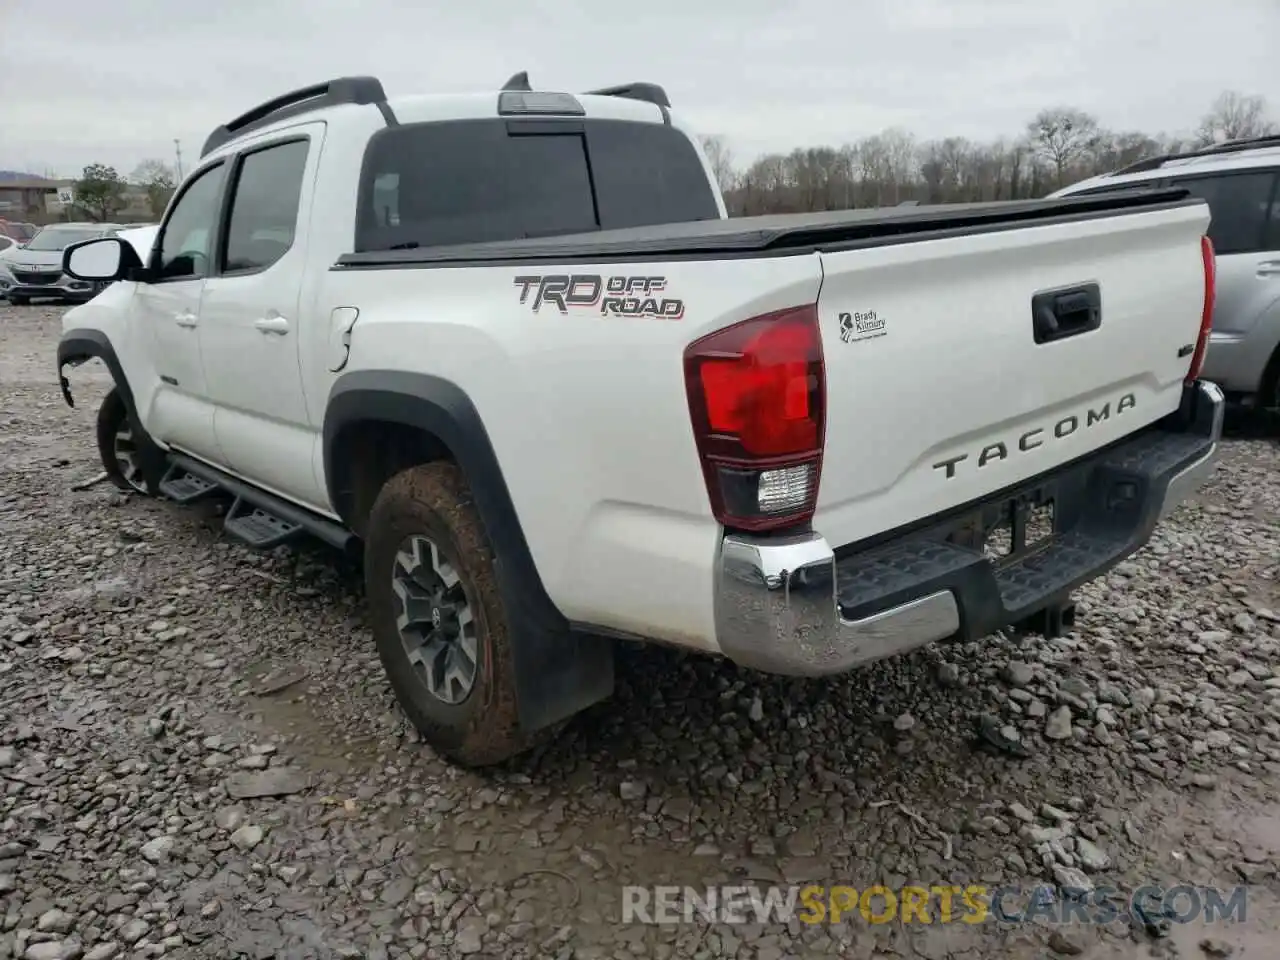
{"x":793,"y":606}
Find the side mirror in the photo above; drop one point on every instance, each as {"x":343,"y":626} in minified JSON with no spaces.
{"x":103,"y":259}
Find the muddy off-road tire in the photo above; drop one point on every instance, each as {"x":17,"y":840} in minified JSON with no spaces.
{"x":438,"y":618}
{"x":122,"y":450}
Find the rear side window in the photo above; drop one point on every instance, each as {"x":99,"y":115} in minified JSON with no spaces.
{"x":1239,"y":204}
{"x":264,"y":206}
{"x":474,"y":181}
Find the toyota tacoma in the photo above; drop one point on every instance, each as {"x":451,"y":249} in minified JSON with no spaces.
{"x":509,"y":348}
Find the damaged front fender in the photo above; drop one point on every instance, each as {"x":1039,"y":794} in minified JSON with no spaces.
{"x":77,"y":346}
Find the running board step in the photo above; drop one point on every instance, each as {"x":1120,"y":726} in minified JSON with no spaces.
{"x":257,"y":528}
{"x":181,"y":486}
{"x":257,"y":518}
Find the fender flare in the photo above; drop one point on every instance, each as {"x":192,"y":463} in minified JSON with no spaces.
{"x":442,"y":409}
{"x":559,"y":670}
{"x":77,"y":346}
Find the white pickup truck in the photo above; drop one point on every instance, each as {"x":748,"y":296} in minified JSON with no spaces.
{"x":510,"y":347}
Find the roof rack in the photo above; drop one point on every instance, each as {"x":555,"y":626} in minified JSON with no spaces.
{"x":330,"y":93}
{"x":648,"y":92}
{"x":1215,"y":149}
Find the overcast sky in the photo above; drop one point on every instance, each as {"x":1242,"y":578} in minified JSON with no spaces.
{"x":116,"y":81}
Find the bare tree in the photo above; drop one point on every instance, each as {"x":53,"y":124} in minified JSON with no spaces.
{"x":1063,"y":136}
{"x":1234,"y":116}
{"x":721,"y":159}
{"x":156,"y":178}
{"x":901,"y":164}
{"x":1060,"y":146}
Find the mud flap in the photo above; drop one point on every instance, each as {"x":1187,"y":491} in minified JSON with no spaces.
{"x":559,"y":671}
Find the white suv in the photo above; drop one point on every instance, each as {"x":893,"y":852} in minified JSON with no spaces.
{"x":1240,"y":180}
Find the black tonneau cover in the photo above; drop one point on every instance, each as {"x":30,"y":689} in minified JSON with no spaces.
{"x":778,"y":234}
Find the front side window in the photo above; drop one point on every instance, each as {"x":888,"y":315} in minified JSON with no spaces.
{"x":264,"y":207}
{"x":1238,"y":204}
{"x":188,"y":233}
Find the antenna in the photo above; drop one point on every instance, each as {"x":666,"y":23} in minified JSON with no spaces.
{"x":519,"y":81}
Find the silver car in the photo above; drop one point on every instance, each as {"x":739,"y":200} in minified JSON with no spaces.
{"x":34,"y":269}
{"x":1240,"y":181}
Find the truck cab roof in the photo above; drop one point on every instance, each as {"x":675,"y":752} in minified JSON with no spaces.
{"x":637,"y":102}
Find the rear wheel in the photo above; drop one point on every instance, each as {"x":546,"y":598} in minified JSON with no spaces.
{"x":437,"y":616}
{"x":120,"y":447}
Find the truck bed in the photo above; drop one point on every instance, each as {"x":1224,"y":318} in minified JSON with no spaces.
{"x":777,"y":234}
{"x":939,"y":386}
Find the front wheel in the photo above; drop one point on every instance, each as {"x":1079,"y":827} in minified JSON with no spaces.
{"x":1269,"y":389}
{"x":438,"y":618}
{"x":121,"y":449}
{"x":19,"y":301}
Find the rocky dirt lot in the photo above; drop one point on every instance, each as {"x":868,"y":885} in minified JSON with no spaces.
{"x":200,"y":757}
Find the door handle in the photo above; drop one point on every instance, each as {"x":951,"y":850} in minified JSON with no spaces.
{"x":275,"y":324}
{"x":1269,"y":268}
{"x":185,"y":319}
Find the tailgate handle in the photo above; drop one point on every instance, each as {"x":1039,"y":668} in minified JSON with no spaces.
{"x":1058,"y":314}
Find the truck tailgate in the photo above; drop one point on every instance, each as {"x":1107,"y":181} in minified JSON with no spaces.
{"x":938,"y":392}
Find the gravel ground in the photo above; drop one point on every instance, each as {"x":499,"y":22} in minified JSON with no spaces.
{"x":156,"y":680}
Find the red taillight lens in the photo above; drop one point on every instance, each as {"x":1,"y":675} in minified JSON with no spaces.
{"x":1206,"y":314}
{"x":757,"y":400}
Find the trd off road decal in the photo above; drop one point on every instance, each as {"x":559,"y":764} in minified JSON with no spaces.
{"x":604,"y":296}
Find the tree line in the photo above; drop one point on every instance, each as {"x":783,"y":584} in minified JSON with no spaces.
{"x":1059,"y":146}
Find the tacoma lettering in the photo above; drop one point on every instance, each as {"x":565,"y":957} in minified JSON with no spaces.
{"x":1034,"y":438}
{"x":622,"y":296}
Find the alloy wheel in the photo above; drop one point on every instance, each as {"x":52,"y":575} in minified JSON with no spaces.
{"x":435,"y":622}
{"x":127,"y":458}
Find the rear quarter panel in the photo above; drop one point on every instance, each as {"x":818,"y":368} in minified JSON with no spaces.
{"x":587,"y":414}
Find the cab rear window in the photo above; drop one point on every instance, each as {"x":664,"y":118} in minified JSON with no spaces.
{"x":474,"y":181}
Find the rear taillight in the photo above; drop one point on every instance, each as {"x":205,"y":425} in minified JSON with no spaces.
{"x":757,"y":396}
{"x":1206,"y":313}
